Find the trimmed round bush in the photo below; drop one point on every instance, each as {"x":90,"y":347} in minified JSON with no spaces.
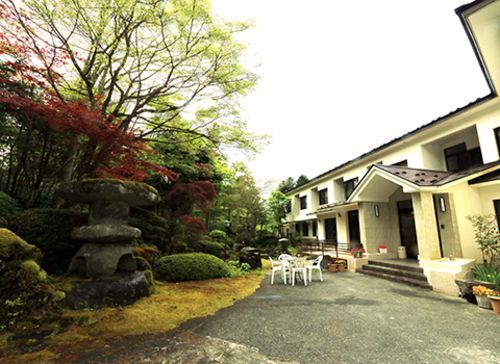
{"x":209,"y":247}
{"x":50,"y":230}
{"x":218,"y":235}
{"x":190,"y":267}
{"x":8,"y":206}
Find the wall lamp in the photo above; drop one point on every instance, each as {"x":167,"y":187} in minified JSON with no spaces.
{"x":377,"y":210}
{"x":442,"y":204}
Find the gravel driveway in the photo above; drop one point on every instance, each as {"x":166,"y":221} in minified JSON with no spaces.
{"x":352,"y":318}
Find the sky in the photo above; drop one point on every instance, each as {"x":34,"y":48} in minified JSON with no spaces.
{"x":339,"y":78}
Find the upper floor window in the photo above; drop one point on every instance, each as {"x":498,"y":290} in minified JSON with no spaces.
{"x":401,"y":163}
{"x":349,"y":186}
{"x":497,"y":137}
{"x":458,"y":158}
{"x":288,"y":207}
{"x":303,"y":202}
{"x":323,"y":196}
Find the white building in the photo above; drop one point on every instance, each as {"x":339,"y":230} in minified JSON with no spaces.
{"x":417,"y":191}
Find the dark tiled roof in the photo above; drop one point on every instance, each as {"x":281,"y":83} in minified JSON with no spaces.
{"x":428,"y":177}
{"x":489,"y":177}
{"x":394,"y":141}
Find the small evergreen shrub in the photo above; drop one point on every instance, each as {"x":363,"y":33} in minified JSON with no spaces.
{"x":190,"y":267}
{"x":208,"y":246}
{"x":154,"y":228}
{"x":218,"y":235}
{"x":50,"y":230}
{"x":8,"y":206}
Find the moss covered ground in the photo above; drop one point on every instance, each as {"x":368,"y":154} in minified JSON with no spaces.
{"x":168,"y":307}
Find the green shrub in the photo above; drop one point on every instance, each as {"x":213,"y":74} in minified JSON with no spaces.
{"x":218,"y":235}
{"x":8,"y":206}
{"x":190,"y":267}
{"x":50,"y":230}
{"x":154,"y":228}
{"x":25,"y":295}
{"x":208,"y":246}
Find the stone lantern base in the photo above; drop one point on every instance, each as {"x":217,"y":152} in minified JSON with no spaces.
{"x":117,"y":290}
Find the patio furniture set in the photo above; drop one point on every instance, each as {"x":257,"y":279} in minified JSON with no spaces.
{"x":289,"y":267}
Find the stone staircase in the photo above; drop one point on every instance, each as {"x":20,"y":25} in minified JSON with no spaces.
{"x":410,"y":274}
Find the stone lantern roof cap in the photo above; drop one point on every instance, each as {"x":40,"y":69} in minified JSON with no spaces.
{"x":135,"y":194}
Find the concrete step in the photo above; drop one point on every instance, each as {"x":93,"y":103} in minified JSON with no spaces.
{"x":395,"y":272}
{"x":399,"y":279}
{"x":394,"y":264}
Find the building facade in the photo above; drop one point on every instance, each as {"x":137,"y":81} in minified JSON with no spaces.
{"x":417,"y":191}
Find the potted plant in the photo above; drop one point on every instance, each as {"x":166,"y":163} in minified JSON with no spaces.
{"x":357,"y":252}
{"x":494,"y":297}
{"x":341,"y":265}
{"x":481,"y":293}
{"x":333,"y":265}
{"x":382,"y":249}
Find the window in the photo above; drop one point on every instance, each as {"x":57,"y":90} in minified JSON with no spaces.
{"x":303,"y":202}
{"x":323,"y":196}
{"x":305,"y":229}
{"x":288,"y":207}
{"x":349,"y":186}
{"x":458,"y":158}
{"x":401,"y":163}
{"x":497,"y":137}
{"x":315,"y":228}
{"x":297,"y":229}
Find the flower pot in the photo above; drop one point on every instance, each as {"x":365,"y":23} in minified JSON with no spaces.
{"x":332,"y":268}
{"x":495,"y":303}
{"x":341,"y":268}
{"x":483,"y":302}
{"x":382,"y":250}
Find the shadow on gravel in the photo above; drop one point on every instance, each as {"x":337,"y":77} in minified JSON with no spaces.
{"x":424,"y":295}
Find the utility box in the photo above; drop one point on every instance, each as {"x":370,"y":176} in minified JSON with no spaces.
{"x":401,"y":252}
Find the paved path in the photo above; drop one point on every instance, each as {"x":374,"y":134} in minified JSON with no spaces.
{"x":352,"y":318}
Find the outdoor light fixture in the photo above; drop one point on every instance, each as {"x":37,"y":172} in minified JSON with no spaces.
{"x":442,"y":204}
{"x":377,"y":210}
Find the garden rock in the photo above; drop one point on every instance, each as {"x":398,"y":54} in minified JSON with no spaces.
{"x":118,"y":290}
{"x":251,"y":256}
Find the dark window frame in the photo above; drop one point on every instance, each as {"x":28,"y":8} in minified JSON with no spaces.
{"x":323,"y":196}
{"x":459,"y":158}
{"x":497,"y":137}
{"x":496,"y":207}
{"x":349,"y":186}
{"x":305,"y":228}
{"x":303,"y":202}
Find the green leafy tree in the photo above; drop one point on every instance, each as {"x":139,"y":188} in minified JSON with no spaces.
{"x":487,"y":237}
{"x":156,"y":67}
{"x":277,"y":205}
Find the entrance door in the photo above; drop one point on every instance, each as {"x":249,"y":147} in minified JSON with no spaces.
{"x":331,"y":230}
{"x":353,"y":220}
{"x":407,"y":228}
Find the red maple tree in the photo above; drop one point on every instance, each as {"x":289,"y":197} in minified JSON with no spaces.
{"x":30,"y":87}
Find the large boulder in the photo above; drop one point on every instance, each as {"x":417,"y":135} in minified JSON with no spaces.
{"x":251,"y":256}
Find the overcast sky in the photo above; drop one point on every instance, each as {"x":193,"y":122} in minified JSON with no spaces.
{"x":338,"y":78}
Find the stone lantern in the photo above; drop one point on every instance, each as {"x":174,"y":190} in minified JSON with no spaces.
{"x":106,"y":255}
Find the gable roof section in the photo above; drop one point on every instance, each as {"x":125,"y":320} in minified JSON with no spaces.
{"x":414,"y":179}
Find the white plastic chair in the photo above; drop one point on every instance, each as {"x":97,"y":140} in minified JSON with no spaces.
{"x":286,"y":266}
{"x":315,"y":265}
{"x":298,"y":266}
{"x":277,"y":267}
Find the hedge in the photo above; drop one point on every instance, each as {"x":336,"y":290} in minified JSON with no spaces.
{"x":8,"y":206}
{"x":190,"y":267}
{"x":50,"y":230}
{"x":208,"y":246}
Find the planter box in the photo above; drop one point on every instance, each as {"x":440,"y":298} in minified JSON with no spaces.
{"x":332,"y":268}
{"x":382,"y":250}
